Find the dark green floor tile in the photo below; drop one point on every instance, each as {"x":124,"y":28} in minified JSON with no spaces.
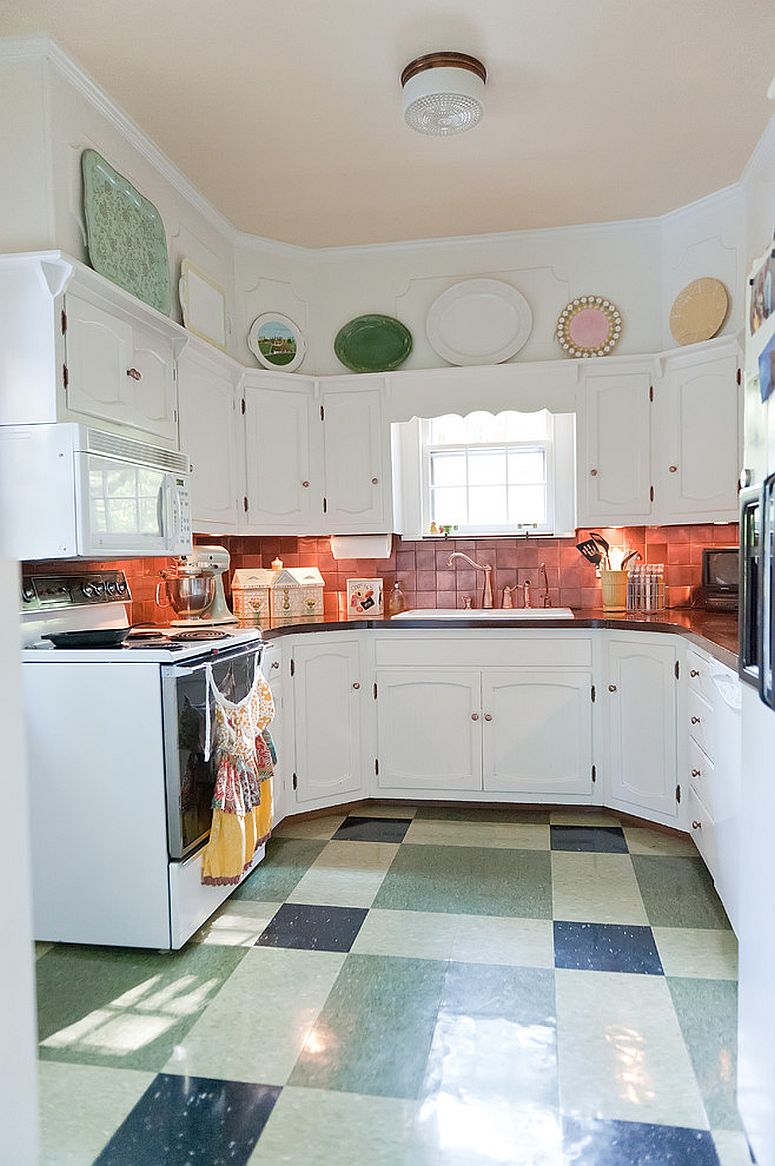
{"x":707,"y":1012}
{"x":678,"y":892}
{"x":128,"y":1009}
{"x":285,"y":863}
{"x":469,"y":880}
{"x":375,"y":1031}
{"x":499,"y":815}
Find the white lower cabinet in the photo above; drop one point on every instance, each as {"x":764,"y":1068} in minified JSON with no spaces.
{"x":328,"y":692}
{"x":429,"y":730}
{"x":537,"y":728}
{"x":641,"y":695}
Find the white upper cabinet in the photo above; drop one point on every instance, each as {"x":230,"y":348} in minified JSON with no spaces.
{"x":614,"y":447}
{"x":697,"y":426}
{"x":356,"y":457}
{"x":283,"y":477}
{"x":209,"y":404}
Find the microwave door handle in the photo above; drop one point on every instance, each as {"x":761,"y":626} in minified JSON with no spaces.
{"x":160,"y":511}
{"x":766,"y":592}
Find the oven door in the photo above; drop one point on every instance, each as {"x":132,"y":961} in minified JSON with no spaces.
{"x":190,"y":774}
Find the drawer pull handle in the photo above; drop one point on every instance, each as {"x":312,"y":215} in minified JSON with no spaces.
{"x":673,"y":469}
{"x":594,"y":473}
{"x":696,"y":773}
{"x":474,"y":716}
{"x":305,"y":484}
{"x":612,"y":688}
{"x":488,"y":716}
{"x":375,"y":481}
{"x":695,"y":720}
{"x":356,"y":685}
{"x":696,"y":824}
{"x":694,"y":672}
{"x":134,"y":373}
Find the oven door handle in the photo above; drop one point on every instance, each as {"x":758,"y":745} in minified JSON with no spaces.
{"x":217,"y":658}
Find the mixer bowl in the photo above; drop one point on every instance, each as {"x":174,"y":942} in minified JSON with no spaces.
{"x":189,"y":595}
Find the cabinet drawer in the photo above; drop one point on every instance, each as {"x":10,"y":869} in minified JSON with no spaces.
{"x":701,"y":722}
{"x":432,"y":648}
{"x":701,"y":774}
{"x":703,"y":831}
{"x":699,"y":674}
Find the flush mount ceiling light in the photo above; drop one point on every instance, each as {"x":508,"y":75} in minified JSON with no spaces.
{"x":443,"y":93}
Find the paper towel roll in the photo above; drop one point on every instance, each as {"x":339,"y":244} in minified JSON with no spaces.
{"x":361,"y":546}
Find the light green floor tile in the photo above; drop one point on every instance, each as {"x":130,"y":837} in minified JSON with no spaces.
{"x":622,"y":1055}
{"x":498,"y":815}
{"x":257,"y":1026}
{"x":385,"y":810}
{"x":321,"y":828}
{"x":707,"y":1012}
{"x":678,"y":892}
{"x":471,"y":1131}
{"x":466,"y":938}
{"x":129,"y":1009}
{"x":285,"y":863}
{"x":732,"y":1148}
{"x":236,"y":924}
{"x":595,"y":888}
{"x":346,"y":874}
{"x":375,"y":1031}
{"x":700,"y":954}
{"x":311,"y":1127}
{"x":495,"y":1036}
{"x":582,"y":817}
{"x":641,"y":840}
{"x":81,"y":1107}
{"x":468,"y":880}
{"x":513,"y":836}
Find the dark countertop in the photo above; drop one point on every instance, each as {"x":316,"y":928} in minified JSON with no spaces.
{"x":715,"y":632}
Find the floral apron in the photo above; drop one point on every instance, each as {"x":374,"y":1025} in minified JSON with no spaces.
{"x":243,"y":756}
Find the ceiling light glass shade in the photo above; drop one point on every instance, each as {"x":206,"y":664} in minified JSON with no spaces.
{"x":444,"y":99}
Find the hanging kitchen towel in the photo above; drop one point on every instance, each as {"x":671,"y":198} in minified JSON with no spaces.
{"x":242,"y":797}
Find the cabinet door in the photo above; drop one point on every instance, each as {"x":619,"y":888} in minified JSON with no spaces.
{"x":98,"y":354}
{"x":153,"y":395}
{"x":284,"y":491}
{"x":357,"y":473}
{"x":429,"y":730}
{"x":641,"y":694}
{"x":328,"y":695}
{"x":697,"y":452}
{"x":208,"y":437}
{"x":537,"y":730}
{"x":614,"y":462}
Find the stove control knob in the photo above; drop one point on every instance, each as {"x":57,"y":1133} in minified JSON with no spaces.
{"x":111,"y":588}
{"x":28,"y":591}
{"x":122,"y":587}
{"x":99,"y":590}
{"x":87,"y":590}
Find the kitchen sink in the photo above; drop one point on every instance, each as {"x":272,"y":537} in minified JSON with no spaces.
{"x":531,"y":613}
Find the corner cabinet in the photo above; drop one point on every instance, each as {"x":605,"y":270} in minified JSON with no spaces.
{"x":283,"y":478}
{"x":209,"y":403}
{"x":641,"y":692}
{"x":356,"y":457}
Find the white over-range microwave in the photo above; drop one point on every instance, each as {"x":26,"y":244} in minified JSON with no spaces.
{"x":68,"y":491}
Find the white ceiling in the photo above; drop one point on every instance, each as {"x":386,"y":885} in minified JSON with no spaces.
{"x":287,"y":116}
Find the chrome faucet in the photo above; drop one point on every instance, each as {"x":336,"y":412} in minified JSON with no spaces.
{"x":545,"y":598}
{"x":486,"y":567}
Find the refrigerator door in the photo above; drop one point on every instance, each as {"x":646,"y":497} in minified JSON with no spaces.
{"x":766,"y":629}
{"x":750,"y":585}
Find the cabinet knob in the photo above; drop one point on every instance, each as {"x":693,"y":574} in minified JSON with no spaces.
{"x":356,"y":685}
{"x":275,"y":663}
{"x":594,"y":473}
{"x":696,"y":824}
{"x":694,"y":672}
{"x":612,"y":688}
{"x":696,"y":773}
{"x":375,"y":481}
{"x":488,"y":716}
{"x":474,"y":716}
{"x":695,"y":720}
{"x":673,"y":469}
{"x":134,"y":373}
{"x":305,"y":484}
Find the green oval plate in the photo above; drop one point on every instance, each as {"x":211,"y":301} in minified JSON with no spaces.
{"x":373,"y":343}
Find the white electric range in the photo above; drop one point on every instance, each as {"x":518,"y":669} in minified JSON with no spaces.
{"x":121,"y":789}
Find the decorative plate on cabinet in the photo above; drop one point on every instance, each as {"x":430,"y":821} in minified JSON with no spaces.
{"x":589,"y":326}
{"x":276,"y":342}
{"x":699,"y":311}
{"x":125,"y":234}
{"x":203,"y":303}
{"x":479,"y":321}
{"x":373,"y":343}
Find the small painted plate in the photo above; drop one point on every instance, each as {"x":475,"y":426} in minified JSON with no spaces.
{"x":276,"y":342}
{"x":699,"y":311}
{"x":373,"y":343}
{"x":589,"y":326}
{"x":479,"y":321}
{"x":125,"y":234}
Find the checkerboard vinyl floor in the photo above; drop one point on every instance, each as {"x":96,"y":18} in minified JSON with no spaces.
{"x":413,"y":986}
